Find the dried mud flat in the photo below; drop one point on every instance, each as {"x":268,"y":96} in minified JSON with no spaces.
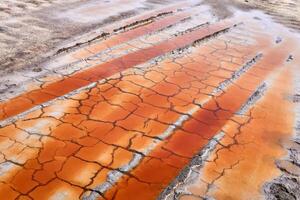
{"x":142,"y":100}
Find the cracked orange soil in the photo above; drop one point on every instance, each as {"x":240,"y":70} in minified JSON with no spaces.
{"x":129,"y":35}
{"x":80,"y":79}
{"x":245,"y":157}
{"x":129,"y":135}
{"x":172,"y":155}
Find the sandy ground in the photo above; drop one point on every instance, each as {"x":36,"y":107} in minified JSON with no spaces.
{"x":31,"y":30}
{"x":283,"y":11}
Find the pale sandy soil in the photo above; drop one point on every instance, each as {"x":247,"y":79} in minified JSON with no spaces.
{"x":286,"y":12}
{"x":31,"y":30}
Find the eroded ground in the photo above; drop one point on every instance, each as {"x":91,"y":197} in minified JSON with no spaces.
{"x":180,"y":102}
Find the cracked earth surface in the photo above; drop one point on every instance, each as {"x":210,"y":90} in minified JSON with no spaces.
{"x":172,"y":104}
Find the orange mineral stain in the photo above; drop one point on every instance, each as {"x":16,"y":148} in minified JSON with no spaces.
{"x":241,"y":167}
{"x":105,"y":70}
{"x":197,"y":131}
{"x":132,"y":132}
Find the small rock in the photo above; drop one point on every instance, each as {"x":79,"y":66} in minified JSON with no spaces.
{"x":290,"y":58}
{"x":296,"y":98}
{"x":38,"y":69}
{"x":278,"y":40}
{"x":257,"y":18}
{"x":2,"y":29}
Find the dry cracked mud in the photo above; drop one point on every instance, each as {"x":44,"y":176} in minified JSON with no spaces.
{"x":167,"y":100}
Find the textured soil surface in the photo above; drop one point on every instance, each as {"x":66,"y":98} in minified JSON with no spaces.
{"x":31,"y":30}
{"x":144,"y":100}
{"x":282,"y":11}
